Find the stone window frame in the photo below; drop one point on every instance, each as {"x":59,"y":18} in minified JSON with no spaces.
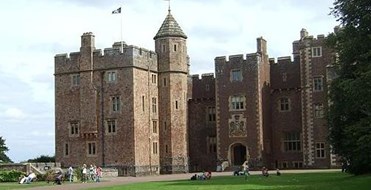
{"x":75,"y":80}
{"x":116,"y":104}
{"x":318,"y":83}
{"x":154,"y":104}
{"x":91,"y":149}
{"x":175,"y":47}
{"x":291,"y":142}
{"x":317,"y":51}
{"x":320,"y":150}
{"x":237,"y":102}
{"x":318,"y":110}
{"x":211,"y":144}
{"x":177,"y":104}
{"x":66,"y":150}
{"x":236,"y":75}
{"x":154,"y":78}
{"x":284,"y":104}
{"x":112,"y":76}
{"x":163,"y":47}
{"x":109,"y":128}
{"x":155,"y":126}
{"x":74,"y":129}
{"x":211,"y":114}
{"x":154,"y":147}
{"x":297,"y":164}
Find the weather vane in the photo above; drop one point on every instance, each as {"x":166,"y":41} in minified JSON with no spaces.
{"x":169,"y":4}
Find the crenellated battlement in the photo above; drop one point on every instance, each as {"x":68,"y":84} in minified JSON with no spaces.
{"x":238,"y":58}
{"x":280,"y":60}
{"x":108,"y":58}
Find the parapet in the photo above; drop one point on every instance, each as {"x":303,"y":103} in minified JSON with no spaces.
{"x":207,"y":75}
{"x":281,"y":60}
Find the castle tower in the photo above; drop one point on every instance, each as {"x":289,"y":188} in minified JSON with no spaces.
{"x":171,"y":48}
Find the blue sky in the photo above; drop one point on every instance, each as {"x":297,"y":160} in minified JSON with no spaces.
{"x":34,"y":31}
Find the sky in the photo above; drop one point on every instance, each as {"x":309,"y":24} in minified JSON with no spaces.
{"x":33,"y":32}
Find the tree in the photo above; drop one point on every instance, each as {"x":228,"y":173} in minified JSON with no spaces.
{"x":43,"y":158}
{"x":3,"y":149}
{"x":350,"y":94}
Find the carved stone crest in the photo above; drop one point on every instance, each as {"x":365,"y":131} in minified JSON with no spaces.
{"x":237,"y":126}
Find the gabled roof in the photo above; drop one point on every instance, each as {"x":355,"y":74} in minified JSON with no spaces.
{"x":170,"y":28}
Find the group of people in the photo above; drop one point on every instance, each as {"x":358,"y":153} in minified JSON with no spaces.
{"x":94,"y":173}
{"x":203,"y":176}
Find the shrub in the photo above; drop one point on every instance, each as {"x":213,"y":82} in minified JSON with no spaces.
{"x":10,"y":176}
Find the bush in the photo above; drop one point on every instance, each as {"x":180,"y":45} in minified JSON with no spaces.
{"x":10,"y":176}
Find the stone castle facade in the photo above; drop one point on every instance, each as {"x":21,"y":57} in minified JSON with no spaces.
{"x":141,"y":112}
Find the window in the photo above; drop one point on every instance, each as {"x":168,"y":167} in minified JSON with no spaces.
{"x":211,"y":113}
{"x":154,"y":150}
{"x":154,"y":79}
{"x":163,"y":47}
{"x":116,"y":103}
{"x":154,"y":126}
{"x":292,"y":142}
{"x":165,"y":125}
{"x":175,"y":47}
{"x":211,"y":144}
{"x":110,"y":126}
{"x":75,"y":79}
{"x":66,"y":150}
{"x":164,"y":81}
{"x":318,"y":111}
{"x":284,"y":104}
{"x":166,"y":148}
{"x":207,"y":87}
{"x":142,"y":103}
{"x":297,"y":164}
{"x":237,"y":102}
{"x":320,"y":150}
{"x":176,"y":104}
{"x":236,"y":75}
{"x":91,"y":148}
{"x":318,"y":84}
{"x":154,"y":105}
{"x":112,"y":76}
{"x":74,"y":129}
{"x":284,"y":77}
{"x":316,"y":51}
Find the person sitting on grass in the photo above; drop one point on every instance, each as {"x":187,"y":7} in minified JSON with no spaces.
{"x":194,"y":177}
{"x":265,"y":172}
{"x":28,"y":179}
{"x":278,"y":172}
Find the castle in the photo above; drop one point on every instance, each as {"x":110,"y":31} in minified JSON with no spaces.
{"x":141,"y":112}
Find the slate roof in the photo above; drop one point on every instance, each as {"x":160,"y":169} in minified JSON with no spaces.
{"x":170,"y":28}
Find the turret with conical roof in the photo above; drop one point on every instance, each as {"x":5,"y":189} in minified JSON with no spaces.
{"x":170,"y":28}
{"x":171,"y":49}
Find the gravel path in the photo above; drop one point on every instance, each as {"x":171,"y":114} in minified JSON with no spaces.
{"x":112,"y":181}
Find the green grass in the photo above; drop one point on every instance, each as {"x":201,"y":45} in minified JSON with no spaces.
{"x":308,"y":181}
{"x":305,"y":181}
{"x":15,"y":185}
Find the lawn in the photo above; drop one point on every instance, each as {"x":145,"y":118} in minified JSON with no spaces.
{"x":14,"y":185}
{"x":308,"y":181}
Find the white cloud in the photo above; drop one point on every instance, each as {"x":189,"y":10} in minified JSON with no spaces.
{"x":14,"y":114}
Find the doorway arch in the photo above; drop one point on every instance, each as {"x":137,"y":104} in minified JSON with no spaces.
{"x":238,"y":154}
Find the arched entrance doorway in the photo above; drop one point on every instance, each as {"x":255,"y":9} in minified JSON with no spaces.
{"x":238,"y":154}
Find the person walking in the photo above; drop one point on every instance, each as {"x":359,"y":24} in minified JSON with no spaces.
{"x":70,"y":174}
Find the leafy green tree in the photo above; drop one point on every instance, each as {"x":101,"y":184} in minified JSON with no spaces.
{"x":43,"y":158}
{"x":3,"y":149}
{"x":350,"y":93}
